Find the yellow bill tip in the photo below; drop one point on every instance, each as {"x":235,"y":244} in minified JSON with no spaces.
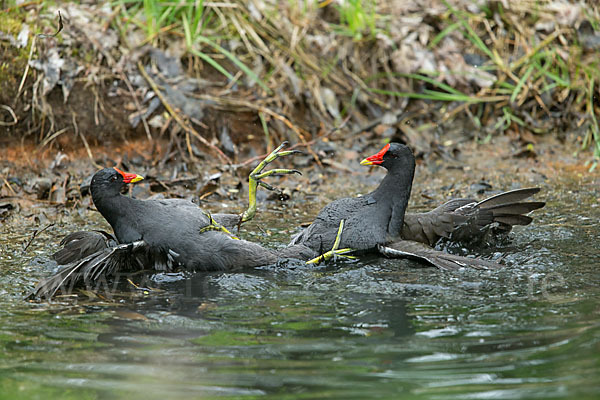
{"x":136,"y":179}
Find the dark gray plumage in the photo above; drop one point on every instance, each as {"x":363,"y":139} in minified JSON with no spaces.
{"x":373,"y":219}
{"x":465,"y":220}
{"x":81,"y":244}
{"x":378,"y":220}
{"x":422,"y":252}
{"x":172,"y":225}
{"x":154,"y":234}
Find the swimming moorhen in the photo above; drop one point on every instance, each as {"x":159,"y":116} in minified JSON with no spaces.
{"x":369,"y":220}
{"x":159,"y":235}
{"x":379,"y":219}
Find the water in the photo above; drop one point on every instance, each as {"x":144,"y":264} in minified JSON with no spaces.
{"x":376,"y":328}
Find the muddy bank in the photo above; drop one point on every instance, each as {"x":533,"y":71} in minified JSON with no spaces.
{"x":106,"y":73}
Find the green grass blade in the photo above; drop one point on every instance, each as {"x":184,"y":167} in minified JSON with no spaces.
{"x":443,"y":96}
{"x":469,"y":32}
{"x":212,"y":62}
{"x":165,"y":16}
{"x":520,"y":84}
{"x":509,"y":117}
{"x":236,"y":61}
{"x":557,"y":79}
{"x":476,"y":40}
{"x":439,"y":96}
{"x":198,"y":13}
{"x":187,"y":32}
{"x":503,"y":91}
{"x":400,"y":94}
{"x":541,"y":69}
{"x":507,"y":85}
{"x":419,"y":77}
{"x":548,"y":87}
{"x":150,"y":12}
{"x":446,"y":31}
{"x":433,"y":82}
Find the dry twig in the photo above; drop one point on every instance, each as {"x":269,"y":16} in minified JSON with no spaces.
{"x":180,"y":121}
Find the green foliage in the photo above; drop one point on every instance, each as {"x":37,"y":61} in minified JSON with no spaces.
{"x":446,"y":92}
{"x":357,"y":18}
{"x":547,"y":68}
{"x":13,"y":60}
{"x":189,"y":19}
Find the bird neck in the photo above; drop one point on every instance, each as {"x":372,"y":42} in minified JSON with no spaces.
{"x":394,"y":192}
{"x":112,"y":206}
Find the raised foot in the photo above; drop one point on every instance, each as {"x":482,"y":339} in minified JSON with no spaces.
{"x":256,"y":176}
{"x":334,"y":252}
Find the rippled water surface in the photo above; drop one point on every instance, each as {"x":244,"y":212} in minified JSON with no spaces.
{"x":375,"y":328}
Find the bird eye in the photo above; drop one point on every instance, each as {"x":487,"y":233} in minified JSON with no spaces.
{"x":113,"y":178}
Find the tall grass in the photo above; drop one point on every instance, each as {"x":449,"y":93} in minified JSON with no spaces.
{"x":551,"y":74}
{"x":536,"y":74}
{"x":199,"y":25}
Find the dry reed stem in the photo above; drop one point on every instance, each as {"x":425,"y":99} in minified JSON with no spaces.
{"x":180,"y":121}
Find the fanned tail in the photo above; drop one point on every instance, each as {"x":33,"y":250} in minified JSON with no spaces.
{"x":512,"y":196}
{"x":505,"y":210}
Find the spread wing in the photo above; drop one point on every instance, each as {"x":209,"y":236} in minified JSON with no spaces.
{"x":422,"y":252}
{"x":81,"y":244}
{"x":105,"y":261}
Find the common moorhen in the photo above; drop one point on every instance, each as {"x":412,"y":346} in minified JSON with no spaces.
{"x":159,"y":235}
{"x":369,"y":220}
{"x":378,"y":219}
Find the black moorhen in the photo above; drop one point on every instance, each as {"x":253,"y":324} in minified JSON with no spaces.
{"x":369,"y":220}
{"x":156,"y":234}
{"x":378,"y":219}
{"x":177,"y":227}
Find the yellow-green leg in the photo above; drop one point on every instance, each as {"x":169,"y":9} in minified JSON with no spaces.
{"x":215,"y":226}
{"x":334,"y":250}
{"x":256,"y":176}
